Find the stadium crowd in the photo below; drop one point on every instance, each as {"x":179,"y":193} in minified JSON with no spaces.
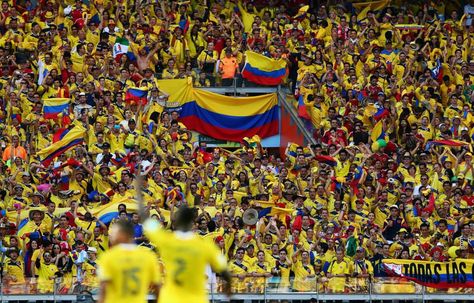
{"x":387,"y":93}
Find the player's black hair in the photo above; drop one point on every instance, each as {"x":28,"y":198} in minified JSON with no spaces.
{"x":126,"y":227}
{"x":185,"y":217}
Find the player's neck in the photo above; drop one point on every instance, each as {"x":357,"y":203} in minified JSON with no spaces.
{"x":184,"y":229}
{"x":184,"y":234}
{"x":126,"y":245}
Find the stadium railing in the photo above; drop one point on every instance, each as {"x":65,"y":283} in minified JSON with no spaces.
{"x":253,"y":289}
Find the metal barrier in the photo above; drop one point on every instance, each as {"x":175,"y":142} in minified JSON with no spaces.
{"x":256,"y":289}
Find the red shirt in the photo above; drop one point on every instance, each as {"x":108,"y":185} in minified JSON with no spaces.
{"x":469,"y":200}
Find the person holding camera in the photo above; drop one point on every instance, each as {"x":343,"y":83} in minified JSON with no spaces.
{"x":393,"y":224}
{"x":207,"y":60}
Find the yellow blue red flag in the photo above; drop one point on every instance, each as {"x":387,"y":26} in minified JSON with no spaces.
{"x":70,"y":137}
{"x":263,"y":70}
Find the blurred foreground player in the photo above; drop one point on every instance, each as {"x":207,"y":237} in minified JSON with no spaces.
{"x":126,"y":272}
{"x":185,"y":256}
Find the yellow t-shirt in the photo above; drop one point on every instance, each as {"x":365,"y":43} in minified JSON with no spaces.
{"x":86,"y":225}
{"x":15,"y":269}
{"x":239,"y":285}
{"x":46,"y":273}
{"x":185,"y":256}
{"x":130,"y":270}
{"x":337,"y":284}
{"x":304,"y":277}
{"x":260,"y":268}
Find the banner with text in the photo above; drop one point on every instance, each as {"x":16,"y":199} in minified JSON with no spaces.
{"x":458,"y":273}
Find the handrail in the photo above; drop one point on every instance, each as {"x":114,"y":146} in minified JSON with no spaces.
{"x":382,"y":289}
{"x":270,"y":296}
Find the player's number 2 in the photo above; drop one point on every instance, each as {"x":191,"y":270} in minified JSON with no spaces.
{"x":131,"y":281}
{"x":180,"y":267}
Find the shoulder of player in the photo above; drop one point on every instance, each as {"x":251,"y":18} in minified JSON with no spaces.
{"x":120,"y":250}
{"x":145,"y":251}
{"x":207,"y":242}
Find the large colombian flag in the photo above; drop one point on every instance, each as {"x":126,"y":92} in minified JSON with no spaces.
{"x":66,"y":139}
{"x":231,"y":119}
{"x":263,"y":70}
{"x":52,"y":107}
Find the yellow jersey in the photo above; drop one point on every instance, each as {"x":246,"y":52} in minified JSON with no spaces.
{"x":15,"y":269}
{"x":130,"y":270}
{"x":305,"y":278}
{"x":46,"y":274}
{"x":337,"y":284}
{"x":185,"y":256}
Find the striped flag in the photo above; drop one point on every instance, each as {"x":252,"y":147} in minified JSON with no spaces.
{"x":68,"y":138}
{"x":137,"y":94}
{"x":52,"y":107}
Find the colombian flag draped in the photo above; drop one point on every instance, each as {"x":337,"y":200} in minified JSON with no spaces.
{"x":52,"y":107}
{"x":68,"y":138}
{"x":263,"y":70}
{"x":230,"y":118}
{"x":458,"y":273}
{"x":222,"y":117}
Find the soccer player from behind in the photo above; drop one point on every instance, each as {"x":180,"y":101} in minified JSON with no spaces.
{"x":126,"y":272}
{"x":185,"y":256}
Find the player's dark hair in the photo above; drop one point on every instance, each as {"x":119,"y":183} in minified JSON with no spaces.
{"x":126,"y":227}
{"x":185,"y":217}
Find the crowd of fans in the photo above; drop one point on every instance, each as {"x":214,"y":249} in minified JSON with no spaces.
{"x":339,"y":207}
